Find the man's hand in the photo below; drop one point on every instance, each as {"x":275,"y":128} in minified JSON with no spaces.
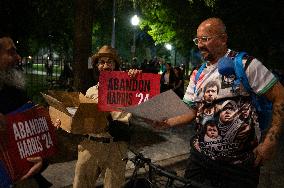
{"x":57,"y":123}
{"x":264,"y":152}
{"x":177,"y":120}
{"x":171,"y":122}
{"x":160,"y":124}
{"x":164,"y":124}
{"x":35,"y":168}
{"x":133,"y":73}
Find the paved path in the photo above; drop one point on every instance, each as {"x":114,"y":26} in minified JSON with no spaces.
{"x":164,"y":147}
{"x":167,"y":147}
{"x":272,"y":173}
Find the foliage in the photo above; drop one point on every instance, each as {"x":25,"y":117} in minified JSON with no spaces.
{"x":54,"y":24}
{"x":170,"y":22}
{"x":250,"y":24}
{"x":162,"y":30}
{"x":38,"y":24}
{"x":253,"y":26}
{"x":102,"y":24}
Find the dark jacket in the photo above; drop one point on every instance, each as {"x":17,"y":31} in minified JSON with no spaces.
{"x":171,"y":83}
{"x":11,"y":99}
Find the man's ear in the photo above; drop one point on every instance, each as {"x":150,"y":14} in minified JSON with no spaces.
{"x":224,"y":38}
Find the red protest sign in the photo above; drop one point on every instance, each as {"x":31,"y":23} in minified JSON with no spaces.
{"x":28,"y":134}
{"x":117,"y":89}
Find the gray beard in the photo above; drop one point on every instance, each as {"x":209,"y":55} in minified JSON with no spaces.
{"x":12,"y":77}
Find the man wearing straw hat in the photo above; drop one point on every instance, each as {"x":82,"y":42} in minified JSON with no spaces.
{"x":103,"y":153}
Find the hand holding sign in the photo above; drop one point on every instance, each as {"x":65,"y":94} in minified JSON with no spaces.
{"x":37,"y":164}
{"x":57,"y":123}
{"x":133,"y":73}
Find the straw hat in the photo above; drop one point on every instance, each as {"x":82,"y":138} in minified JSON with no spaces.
{"x":106,"y":51}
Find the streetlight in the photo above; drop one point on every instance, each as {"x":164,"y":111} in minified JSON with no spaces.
{"x":134,"y":21}
{"x":170,"y":47}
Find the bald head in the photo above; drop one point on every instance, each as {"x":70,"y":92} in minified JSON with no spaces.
{"x":212,"y":39}
{"x":214,"y":26}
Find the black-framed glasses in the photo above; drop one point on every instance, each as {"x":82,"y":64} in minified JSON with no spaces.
{"x":203,"y":39}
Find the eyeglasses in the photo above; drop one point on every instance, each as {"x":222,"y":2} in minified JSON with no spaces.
{"x":203,"y":39}
{"x":107,"y":61}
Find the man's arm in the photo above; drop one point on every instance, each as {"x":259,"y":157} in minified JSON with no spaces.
{"x":267,"y":148}
{"x":182,"y":119}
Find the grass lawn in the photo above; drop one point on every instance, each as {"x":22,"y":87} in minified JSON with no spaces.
{"x":41,"y":67}
{"x":39,"y":83}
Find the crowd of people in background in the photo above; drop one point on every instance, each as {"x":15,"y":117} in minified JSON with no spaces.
{"x":171,"y":77}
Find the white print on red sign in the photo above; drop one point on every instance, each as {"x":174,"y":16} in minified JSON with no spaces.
{"x":29,"y":134}
{"x":32,"y":136}
{"x":117,"y":89}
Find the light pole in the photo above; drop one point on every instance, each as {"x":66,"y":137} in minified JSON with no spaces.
{"x":134,"y":21}
{"x":113,"y":25}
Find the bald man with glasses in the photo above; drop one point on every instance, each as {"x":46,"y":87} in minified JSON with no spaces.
{"x":236,"y":161}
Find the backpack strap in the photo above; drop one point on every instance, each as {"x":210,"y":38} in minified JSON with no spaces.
{"x":200,"y":70}
{"x":240,"y":72}
{"x":262,"y":105}
{"x":242,"y":77}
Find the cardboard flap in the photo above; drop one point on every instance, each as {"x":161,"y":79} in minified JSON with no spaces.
{"x":55,"y":103}
{"x":65,"y":119}
{"x":67,"y":98}
{"x":84,"y":99}
{"x":94,"y":120}
{"x":88,"y":110}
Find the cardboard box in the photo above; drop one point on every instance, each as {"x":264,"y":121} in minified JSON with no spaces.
{"x":77,"y":113}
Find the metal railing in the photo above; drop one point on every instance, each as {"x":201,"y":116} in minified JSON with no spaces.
{"x":45,"y":74}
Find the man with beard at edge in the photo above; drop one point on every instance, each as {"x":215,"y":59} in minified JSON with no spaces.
{"x":12,"y":97}
{"x":235,"y":167}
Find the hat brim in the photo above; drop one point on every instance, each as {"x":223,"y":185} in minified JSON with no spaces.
{"x":99,"y":55}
